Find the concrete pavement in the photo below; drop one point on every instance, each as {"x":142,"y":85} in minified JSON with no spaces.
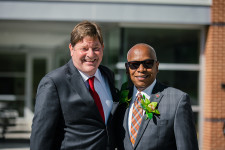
{"x":17,"y":137}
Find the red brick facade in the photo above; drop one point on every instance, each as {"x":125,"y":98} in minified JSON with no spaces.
{"x":214,"y":97}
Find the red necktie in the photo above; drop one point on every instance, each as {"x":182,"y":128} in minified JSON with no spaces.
{"x":94,"y":94}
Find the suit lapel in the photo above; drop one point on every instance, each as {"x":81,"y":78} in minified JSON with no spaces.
{"x":127,"y":141}
{"x":155,"y":97}
{"x":114,"y":107}
{"x":78,"y":84}
{"x":80,"y":88}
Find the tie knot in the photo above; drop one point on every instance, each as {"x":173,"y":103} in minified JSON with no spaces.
{"x":91,"y":82}
{"x":92,"y":78}
{"x":139,"y":97}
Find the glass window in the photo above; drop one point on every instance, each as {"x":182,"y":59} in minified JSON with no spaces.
{"x":12,"y":79}
{"x":39,"y":70}
{"x":12,"y":86}
{"x":186,"y":81}
{"x":12,"y":74}
{"x":12,"y":62}
{"x":196,"y":121}
{"x":171,"y":45}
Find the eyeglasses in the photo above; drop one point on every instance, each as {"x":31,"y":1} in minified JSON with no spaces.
{"x":148,"y":64}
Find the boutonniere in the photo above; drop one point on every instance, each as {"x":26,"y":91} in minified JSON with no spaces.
{"x":149,"y":107}
{"x":123,"y":94}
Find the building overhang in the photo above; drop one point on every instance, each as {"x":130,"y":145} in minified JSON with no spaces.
{"x":105,"y":12}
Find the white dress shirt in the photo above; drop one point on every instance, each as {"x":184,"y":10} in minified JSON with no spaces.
{"x":102,"y":88}
{"x":147,"y":92}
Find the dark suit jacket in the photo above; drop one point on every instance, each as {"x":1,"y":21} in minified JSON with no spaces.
{"x":66,"y":116}
{"x":173,"y":129}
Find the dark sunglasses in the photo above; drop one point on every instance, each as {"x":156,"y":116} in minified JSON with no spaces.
{"x":148,"y":64}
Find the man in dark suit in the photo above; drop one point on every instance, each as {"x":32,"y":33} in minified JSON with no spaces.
{"x":167,"y":124}
{"x":75,"y":103}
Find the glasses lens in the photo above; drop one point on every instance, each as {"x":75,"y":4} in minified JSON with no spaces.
{"x":148,"y":63}
{"x":134,"y":65}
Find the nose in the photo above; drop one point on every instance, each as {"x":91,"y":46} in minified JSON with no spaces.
{"x":141,"y":68}
{"x":90,"y":52}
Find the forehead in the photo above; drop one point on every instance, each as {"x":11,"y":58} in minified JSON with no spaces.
{"x":139,"y":54}
{"x":89,"y":41}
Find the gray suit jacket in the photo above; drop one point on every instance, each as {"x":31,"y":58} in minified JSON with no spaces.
{"x":173,"y":129}
{"x":66,"y":116}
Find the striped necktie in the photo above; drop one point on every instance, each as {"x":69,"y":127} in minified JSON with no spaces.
{"x":137,"y":114}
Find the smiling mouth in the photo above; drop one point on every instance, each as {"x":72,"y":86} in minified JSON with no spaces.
{"x":90,"y":61}
{"x":141,"y":77}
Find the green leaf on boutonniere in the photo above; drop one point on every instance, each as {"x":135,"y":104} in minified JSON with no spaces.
{"x":149,"y":115}
{"x":149,"y":107}
{"x":124,"y":86}
{"x":123,"y":94}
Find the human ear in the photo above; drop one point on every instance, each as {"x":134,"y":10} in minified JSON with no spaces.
{"x":71,"y":49}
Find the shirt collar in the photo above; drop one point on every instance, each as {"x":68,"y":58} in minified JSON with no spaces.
{"x":85,"y":77}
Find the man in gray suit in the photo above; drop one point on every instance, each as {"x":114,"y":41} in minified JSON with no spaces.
{"x":75,"y":103}
{"x":167,"y":123}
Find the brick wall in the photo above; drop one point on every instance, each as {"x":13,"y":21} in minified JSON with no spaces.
{"x":214,"y":98}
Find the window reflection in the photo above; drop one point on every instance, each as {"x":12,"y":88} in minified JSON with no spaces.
{"x":186,"y":81}
{"x":171,"y":45}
